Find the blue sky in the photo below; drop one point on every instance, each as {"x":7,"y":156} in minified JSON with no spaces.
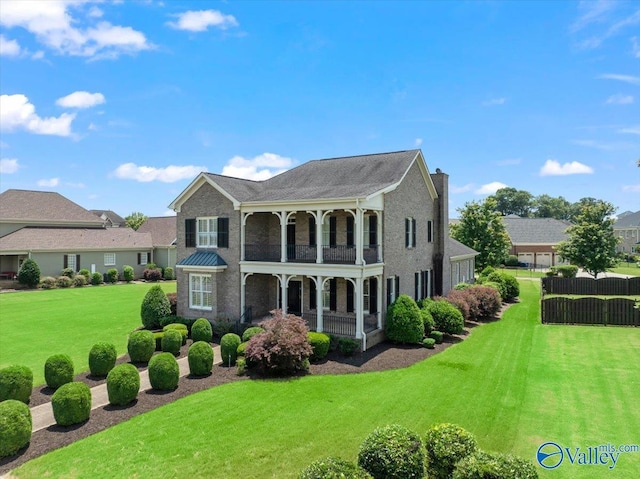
{"x":119,"y":105}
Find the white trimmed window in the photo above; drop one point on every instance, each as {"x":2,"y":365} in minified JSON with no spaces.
{"x":366,"y":296}
{"x":144,"y":258}
{"x":200,"y":296}
{"x":71,"y":262}
{"x":326,"y":232}
{"x":410,"y":232}
{"x":207,"y":233}
{"x":109,"y":259}
{"x":326,"y":295}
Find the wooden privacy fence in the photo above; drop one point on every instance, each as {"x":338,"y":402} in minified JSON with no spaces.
{"x":616,"y":311}
{"x":582,"y":286}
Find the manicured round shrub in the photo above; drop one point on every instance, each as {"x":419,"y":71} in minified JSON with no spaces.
{"x":64,"y":282}
{"x":447,"y":317}
{"x":404,"y":322}
{"x":127,"y":273}
{"x":29,"y":273}
{"x":155,"y":305}
{"x":229,"y":348}
{"x":164,"y":372}
{"x":123,"y":384}
{"x":152,"y":274}
{"x":437,"y":335}
{"x":348,"y":346}
{"x":200,"y":358}
{"x":16,"y":382}
{"x":181,"y":328}
{"x":320,"y":344}
{"x":427,"y":320}
{"x":498,"y":281}
{"x":489,"y":301}
{"x":112,"y":275}
{"x":97,"y":278}
{"x":446,"y":444}
{"x":158,"y":338}
{"x":429,"y":343}
{"x":141,"y":346}
{"x":172,"y":341}
{"x":201,"y":330}
{"x":512,"y":287}
{"x":71,"y":403}
{"x":167,"y":274}
{"x":392,"y":452}
{"x":48,"y":282}
{"x":58,"y":370}
{"x":15,"y":427}
{"x":251,"y":332}
{"x":242,"y":347}
{"x":333,"y":468}
{"x":68,"y":272}
{"x":79,"y":281}
{"x":460,"y":300}
{"x":102,"y":358}
{"x":488,"y":465}
{"x":86,"y":273}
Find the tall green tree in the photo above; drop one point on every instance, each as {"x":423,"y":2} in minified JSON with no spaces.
{"x":135,"y":220}
{"x":546,"y":206}
{"x":482,"y":229}
{"x":510,"y":201}
{"x":591,"y":244}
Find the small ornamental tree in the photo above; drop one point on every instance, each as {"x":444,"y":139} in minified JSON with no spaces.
{"x":29,"y":273}
{"x":404,"y":322}
{"x":282,"y":348}
{"x":155,"y":305}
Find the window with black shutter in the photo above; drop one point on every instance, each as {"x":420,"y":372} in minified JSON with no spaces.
{"x":407,"y":232}
{"x":333,"y":296}
{"x":190,"y":233}
{"x":413,"y":232}
{"x":333,"y":231}
{"x":312,"y":294}
{"x":430,"y":231}
{"x":312,"y":231}
{"x":223,"y":232}
{"x":390,"y":285}
{"x":350,"y":233}
{"x":350,"y":307}
{"x":417,"y":287}
{"x":373,"y":230}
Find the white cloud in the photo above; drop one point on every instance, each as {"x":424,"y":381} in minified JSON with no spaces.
{"x":8,"y":165}
{"x":554,"y":168}
{"x":634,"y":130}
{"x":418,"y":142}
{"x":16,"y":112}
{"x":50,"y":183}
{"x":262,"y":167}
{"x":146,"y":174}
{"x":619,"y":100}
{"x":81,"y":99}
{"x":9,"y":48}
{"x":37,"y":55}
{"x":631,"y":188}
{"x":623,"y":78}
{"x":490,"y":188}
{"x":460,"y":189}
{"x":635,"y":47}
{"x":602,"y":20}
{"x":66,"y":27}
{"x":592,"y":12}
{"x":201,"y":20}
{"x":494,"y":101}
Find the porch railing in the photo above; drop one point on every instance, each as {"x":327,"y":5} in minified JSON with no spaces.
{"x":340,"y":325}
{"x":338,"y":254}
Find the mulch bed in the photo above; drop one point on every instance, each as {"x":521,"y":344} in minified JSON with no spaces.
{"x":381,"y":357}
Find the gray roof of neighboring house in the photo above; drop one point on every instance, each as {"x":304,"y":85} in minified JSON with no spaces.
{"x":535,"y":230}
{"x":630,"y":220}
{"x":74,"y":239}
{"x":112,"y":217}
{"x":202,"y":258}
{"x":163,"y":230}
{"x":26,"y":206}
{"x":346,"y":177}
{"x":459,"y":249}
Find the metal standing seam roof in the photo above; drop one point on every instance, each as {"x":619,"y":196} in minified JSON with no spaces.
{"x":202,"y":258}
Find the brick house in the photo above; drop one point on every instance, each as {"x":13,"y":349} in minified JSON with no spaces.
{"x":334,"y":240}
{"x":533,"y":240}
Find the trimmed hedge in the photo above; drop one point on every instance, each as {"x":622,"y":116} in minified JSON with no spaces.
{"x":123,"y":384}
{"x":320,"y":344}
{"x":404,"y":322}
{"x":58,"y":370}
{"x":155,"y":305}
{"x":392,"y":452}
{"x":16,"y":382}
{"x":489,"y":301}
{"x":251,"y":332}
{"x":157,"y":336}
{"x":429,"y":343}
{"x":333,"y":468}
{"x":15,"y":427}
{"x":172,"y":341}
{"x":141,"y":346}
{"x":164,"y":372}
{"x":241,"y":349}
{"x":488,"y":465}
{"x":102,"y":358}
{"x":447,"y":317}
{"x":202,"y":330}
{"x":200,"y":358}
{"x":446,"y":444}
{"x":437,"y":335}
{"x":427,"y":320}
{"x":229,"y":348}
{"x":71,"y":403}
{"x":181,"y":328}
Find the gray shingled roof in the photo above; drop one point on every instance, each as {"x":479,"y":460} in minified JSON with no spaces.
{"x":75,"y":239}
{"x":25,"y":206}
{"x":202,"y":258}
{"x":547,"y":231}
{"x":113,"y":217}
{"x":628,"y":221}
{"x":163,"y":230}
{"x":459,"y":249}
{"x":346,"y":177}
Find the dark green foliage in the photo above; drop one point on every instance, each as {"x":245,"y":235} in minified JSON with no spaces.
{"x":167,"y":274}
{"x":172,"y":341}
{"x":320,"y":344}
{"x":348,"y":346}
{"x":164,"y":372}
{"x":437,"y":335}
{"x":447,"y":317}
{"x":200,"y":358}
{"x":229,"y":348}
{"x":112,"y":275}
{"x":16,"y":382}
{"x":71,"y":403}
{"x":512,"y":287}
{"x":173,"y":303}
{"x":512,"y":260}
{"x":181,"y":328}
{"x":79,"y":281}
{"x":102,"y":358}
{"x":487,"y":271}
{"x":487,"y":465}
{"x":86,"y":273}
{"x":58,"y":370}
{"x":500,"y":279}
{"x":251,"y":332}
{"x":123,"y":384}
{"x":155,"y":305}
{"x":68,"y":272}
{"x":15,"y":427}
{"x":97,"y":278}
{"x":157,"y":336}
{"x":202,"y":330}
{"x":446,"y":444}
{"x":222,"y":326}
{"x":392,"y":452}
{"x":427,"y":320}
{"x":141,"y":346}
{"x":127,"y":273}
{"x":333,"y":468}
{"x":241,"y":348}
{"x":29,"y":273}
{"x":429,"y":343}
{"x":64,"y":282}
{"x":241,"y":366}
{"x":566,"y":270}
{"x":404,"y":322}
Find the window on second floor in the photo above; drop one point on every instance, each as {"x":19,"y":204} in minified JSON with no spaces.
{"x":206,"y":232}
{"x":410,"y":232}
{"x":430,"y":231}
{"x":207,"y":236}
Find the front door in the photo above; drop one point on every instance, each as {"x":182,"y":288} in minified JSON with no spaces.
{"x":294,"y":298}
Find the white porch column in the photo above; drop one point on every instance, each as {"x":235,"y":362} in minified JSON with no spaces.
{"x":284,"y":279}
{"x":283,"y":236}
{"x":243,"y":292}
{"x":359,"y":313}
{"x":243,"y":239}
{"x":379,"y":298}
{"x":358,"y":227}
{"x":379,"y":235}
{"x":319,"y":221}
{"x":319,"y":305}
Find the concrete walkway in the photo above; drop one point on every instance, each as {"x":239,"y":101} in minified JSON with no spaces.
{"x":42,"y":415}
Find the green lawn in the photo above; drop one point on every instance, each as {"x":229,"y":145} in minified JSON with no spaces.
{"x":522,"y":273}
{"x":626,"y":268}
{"x":37,"y":324}
{"x":514,"y":383}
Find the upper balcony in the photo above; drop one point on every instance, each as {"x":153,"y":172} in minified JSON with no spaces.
{"x":338,"y":254}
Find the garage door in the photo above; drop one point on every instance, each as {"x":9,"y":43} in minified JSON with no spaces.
{"x":526,"y":258}
{"x":543,"y":260}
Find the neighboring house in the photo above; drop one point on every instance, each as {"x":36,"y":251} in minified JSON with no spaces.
{"x":627,"y":229}
{"x":463,"y":262}
{"x":110,"y":218}
{"x":163,"y":231}
{"x":335,"y":241}
{"x":57,"y":233}
{"x":533,"y":240}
